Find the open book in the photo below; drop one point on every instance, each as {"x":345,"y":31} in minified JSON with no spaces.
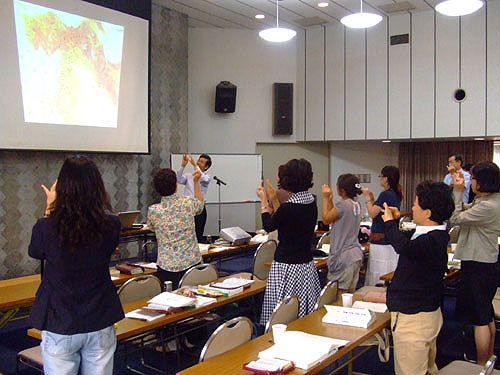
{"x":143,"y":314}
{"x":304,"y":349}
{"x":229,"y":286}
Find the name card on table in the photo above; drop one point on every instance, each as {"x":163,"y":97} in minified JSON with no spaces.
{"x":348,"y":316}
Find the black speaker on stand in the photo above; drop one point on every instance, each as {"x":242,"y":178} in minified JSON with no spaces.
{"x":225,"y":97}
{"x":282,"y":108}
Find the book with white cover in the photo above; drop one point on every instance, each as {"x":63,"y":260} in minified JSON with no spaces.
{"x":372,"y":306}
{"x":144,"y":314}
{"x":168,"y":299}
{"x":304,"y":349}
{"x":348,"y":316}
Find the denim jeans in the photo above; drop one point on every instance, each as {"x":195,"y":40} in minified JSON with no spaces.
{"x":91,"y":353}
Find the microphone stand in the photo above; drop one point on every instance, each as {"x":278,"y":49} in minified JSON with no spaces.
{"x":220,"y":219}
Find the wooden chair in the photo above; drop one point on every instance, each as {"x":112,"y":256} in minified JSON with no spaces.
{"x":139,"y":287}
{"x":468,"y":368}
{"x":31,"y":357}
{"x":227,"y":336}
{"x":328,"y":295}
{"x":199,"y":275}
{"x":285,"y":312}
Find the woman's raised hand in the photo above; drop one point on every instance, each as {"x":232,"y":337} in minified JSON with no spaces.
{"x":458,"y":181}
{"x":270,"y":190}
{"x":261,"y":192}
{"x":326,"y":191}
{"x":51,"y":196}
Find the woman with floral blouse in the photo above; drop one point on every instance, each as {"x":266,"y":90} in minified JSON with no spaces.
{"x":172,"y":220}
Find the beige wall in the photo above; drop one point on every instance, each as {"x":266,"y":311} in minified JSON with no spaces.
{"x":273,"y":155}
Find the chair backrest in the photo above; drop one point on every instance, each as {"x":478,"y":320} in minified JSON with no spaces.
{"x":138,"y":288}
{"x":227,"y":336}
{"x":324,"y":239}
{"x":264,"y":254}
{"x":328,"y":295}
{"x":454,"y":232}
{"x":199,"y":275}
{"x":285,"y":312}
{"x":489,"y":366}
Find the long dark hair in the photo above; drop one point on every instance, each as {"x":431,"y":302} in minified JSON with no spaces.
{"x":81,"y":205}
{"x":392,"y":174}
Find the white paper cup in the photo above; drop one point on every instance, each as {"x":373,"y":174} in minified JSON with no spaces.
{"x":453,"y":247}
{"x":347,"y":299}
{"x":278,"y":331}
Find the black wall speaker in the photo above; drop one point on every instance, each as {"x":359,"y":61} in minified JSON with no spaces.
{"x":225,"y":97}
{"x":283,"y":108}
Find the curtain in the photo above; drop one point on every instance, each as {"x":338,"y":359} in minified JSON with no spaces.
{"x":420,"y":161}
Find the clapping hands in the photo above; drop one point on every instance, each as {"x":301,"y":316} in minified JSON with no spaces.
{"x":390,"y":213}
{"x":458,"y":181}
{"x":327,"y":192}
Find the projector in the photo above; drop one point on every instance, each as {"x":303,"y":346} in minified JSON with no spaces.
{"x":235,"y":235}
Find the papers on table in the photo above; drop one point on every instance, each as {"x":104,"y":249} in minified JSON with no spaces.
{"x":203,"y":301}
{"x":304,"y":349}
{"x":144,"y":314}
{"x":227,"y":287}
{"x":372,"y":306}
{"x":151,"y":265}
{"x":259,"y":238}
{"x":348,"y":316}
{"x":113,"y":278}
{"x":232,"y":283}
{"x":326,"y":248}
{"x":167,"y":300}
{"x":452,"y":262}
{"x":269,"y":366}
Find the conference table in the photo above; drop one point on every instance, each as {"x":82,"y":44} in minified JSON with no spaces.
{"x":20,"y":292}
{"x":231,"y":362}
{"x":129,"y":330}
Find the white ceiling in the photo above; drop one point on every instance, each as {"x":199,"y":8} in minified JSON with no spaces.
{"x":240,"y":14}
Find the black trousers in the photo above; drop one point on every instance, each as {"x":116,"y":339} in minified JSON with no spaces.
{"x":199,"y":224}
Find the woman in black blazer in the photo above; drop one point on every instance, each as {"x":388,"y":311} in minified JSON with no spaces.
{"x":76,"y":305}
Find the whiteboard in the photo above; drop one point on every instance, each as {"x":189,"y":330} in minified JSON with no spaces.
{"x":241,"y":172}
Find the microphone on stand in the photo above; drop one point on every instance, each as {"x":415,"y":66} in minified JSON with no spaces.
{"x":219,"y":181}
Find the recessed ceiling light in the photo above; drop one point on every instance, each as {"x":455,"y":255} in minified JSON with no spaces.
{"x":322,"y":4}
{"x":386,"y":141}
{"x":260,"y":16}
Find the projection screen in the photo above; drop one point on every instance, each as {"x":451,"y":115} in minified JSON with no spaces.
{"x":73,"y":76}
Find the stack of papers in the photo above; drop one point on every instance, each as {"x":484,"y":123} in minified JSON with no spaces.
{"x":348,"y":316}
{"x":304,"y":349}
{"x":229,"y":286}
{"x":144,"y":314}
{"x":167,"y":301}
{"x":372,"y":306}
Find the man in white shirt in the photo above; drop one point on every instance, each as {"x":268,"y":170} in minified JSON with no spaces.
{"x":204,"y":162}
{"x":455,"y":162}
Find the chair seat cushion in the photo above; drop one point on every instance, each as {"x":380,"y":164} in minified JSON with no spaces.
{"x":33,"y":355}
{"x":463,"y":368}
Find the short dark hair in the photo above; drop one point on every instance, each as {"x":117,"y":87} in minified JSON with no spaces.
{"x":348,"y":183}
{"x":437,"y":197}
{"x":296,"y":175}
{"x":208,"y":159}
{"x":165,"y":182}
{"x":467,"y":167}
{"x":458,"y":157}
{"x":487,"y":174}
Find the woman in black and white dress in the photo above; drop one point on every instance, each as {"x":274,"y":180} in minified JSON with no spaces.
{"x":293,"y":271}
